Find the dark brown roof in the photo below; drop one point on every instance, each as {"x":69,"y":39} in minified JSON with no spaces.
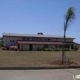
{"x":29,"y":42}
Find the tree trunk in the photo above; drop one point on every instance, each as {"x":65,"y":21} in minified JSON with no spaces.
{"x":63,"y":50}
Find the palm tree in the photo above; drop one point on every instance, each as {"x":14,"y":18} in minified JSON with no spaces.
{"x":69,"y":17}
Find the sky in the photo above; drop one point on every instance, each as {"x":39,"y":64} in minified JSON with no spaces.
{"x":33,"y":16}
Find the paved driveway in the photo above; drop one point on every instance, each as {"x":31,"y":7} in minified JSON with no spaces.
{"x":54,"y":74}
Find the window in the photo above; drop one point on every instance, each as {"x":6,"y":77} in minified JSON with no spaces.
{"x":11,"y":40}
{"x":23,"y":38}
{"x":27,"y":38}
{"x":34,"y":39}
{"x":42,"y":39}
{"x":45,"y":39}
{"x":60,"y":40}
{"x":30,"y":39}
{"x":49,"y":39}
{"x":69,"y":40}
{"x":56,"y":40}
{"x":52,"y":39}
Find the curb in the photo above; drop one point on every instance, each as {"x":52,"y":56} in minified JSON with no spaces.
{"x":38,"y":68}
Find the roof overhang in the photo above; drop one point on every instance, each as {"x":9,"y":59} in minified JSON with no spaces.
{"x":42,"y":43}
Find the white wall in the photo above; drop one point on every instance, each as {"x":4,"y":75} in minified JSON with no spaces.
{"x":7,"y":40}
{"x":35,"y":47}
{"x":24,"y":47}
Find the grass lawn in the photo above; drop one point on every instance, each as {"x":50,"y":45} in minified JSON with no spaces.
{"x":35,"y":58}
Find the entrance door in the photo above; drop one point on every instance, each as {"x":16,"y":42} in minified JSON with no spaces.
{"x":30,"y":47}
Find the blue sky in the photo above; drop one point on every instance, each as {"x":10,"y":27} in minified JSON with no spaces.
{"x":33,"y":16}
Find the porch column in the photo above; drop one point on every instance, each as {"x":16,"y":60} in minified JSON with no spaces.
{"x":57,"y":46}
{"x":70,"y":47}
{"x":21,"y":46}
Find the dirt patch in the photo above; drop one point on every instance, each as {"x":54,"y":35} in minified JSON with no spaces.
{"x":60,"y":63}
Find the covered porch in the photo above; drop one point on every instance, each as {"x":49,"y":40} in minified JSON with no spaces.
{"x":32,"y":46}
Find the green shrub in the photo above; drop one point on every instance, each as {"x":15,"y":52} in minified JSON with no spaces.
{"x":56,"y":49}
{"x":1,"y":44}
{"x":47,"y":49}
{"x":66,"y":49}
{"x":41,"y":48}
{"x":75,"y":48}
{"x":38,"y":49}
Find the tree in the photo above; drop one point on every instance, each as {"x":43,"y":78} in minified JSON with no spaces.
{"x":1,"y":41}
{"x":69,"y":17}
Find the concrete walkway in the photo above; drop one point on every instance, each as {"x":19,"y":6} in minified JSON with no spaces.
{"x":54,"y":74}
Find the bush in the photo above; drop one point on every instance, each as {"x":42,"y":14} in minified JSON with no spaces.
{"x":1,"y":44}
{"x":15,"y":48}
{"x":75,"y":48}
{"x":47,"y":49}
{"x":66,"y":49}
{"x":41,"y":48}
{"x":56,"y":49}
{"x":3,"y":48}
{"x":7,"y":48}
{"x":38,"y":49}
